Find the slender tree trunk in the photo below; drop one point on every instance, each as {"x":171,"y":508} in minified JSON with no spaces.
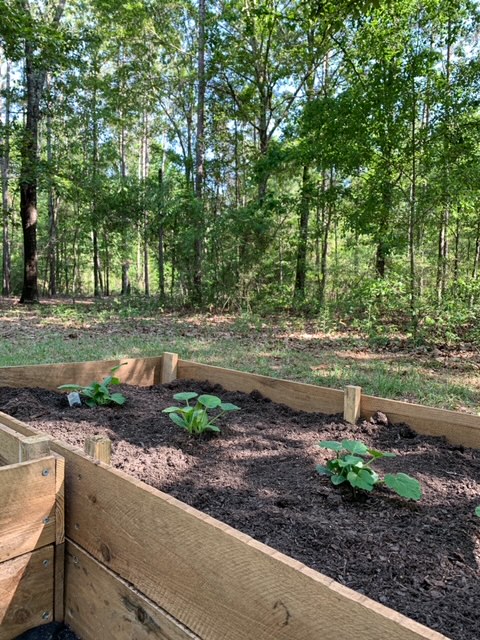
{"x":413,"y":209}
{"x":199,"y":158}
{"x":301,"y":270}
{"x":5,"y":166}
{"x":52,"y":216}
{"x":326,"y":223}
{"x":161,"y":249}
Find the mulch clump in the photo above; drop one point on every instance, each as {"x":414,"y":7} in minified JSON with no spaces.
{"x":422,"y":559}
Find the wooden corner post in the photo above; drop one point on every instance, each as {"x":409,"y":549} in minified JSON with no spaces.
{"x":168,"y":372}
{"x":352,"y":402}
{"x":99,"y":448}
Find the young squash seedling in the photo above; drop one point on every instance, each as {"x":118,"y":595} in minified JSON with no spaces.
{"x":98,"y":393}
{"x":195,"y":418}
{"x":353,"y":464}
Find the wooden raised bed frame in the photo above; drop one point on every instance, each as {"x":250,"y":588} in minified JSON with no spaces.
{"x":141,"y":564}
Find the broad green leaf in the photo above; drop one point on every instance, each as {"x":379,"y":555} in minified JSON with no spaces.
{"x":115,"y":380}
{"x":336,"y":479}
{"x":323,"y":470}
{"x":330,"y":444}
{"x":228,"y":406}
{"x":210,"y":402}
{"x":107,"y":381}
{"x":353,"y":460}
{"x":380,"y":454}
{"x":355,"y":446}
{"x":477,"y":511}
{"x":404,"y":485}
{"x":185,"y":395}
{"x":118,"y":398}
{"x":361,"y":480}
{"x":90,"y":402}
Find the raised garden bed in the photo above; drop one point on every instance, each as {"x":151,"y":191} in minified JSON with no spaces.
{"x":259,"y":477}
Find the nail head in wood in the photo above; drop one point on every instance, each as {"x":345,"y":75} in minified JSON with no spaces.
{"x":352,"y":403}
{"x":99,"y":448}
{"x":169,"y":367}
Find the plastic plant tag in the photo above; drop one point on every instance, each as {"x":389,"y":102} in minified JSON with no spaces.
{"x":74,"y":399}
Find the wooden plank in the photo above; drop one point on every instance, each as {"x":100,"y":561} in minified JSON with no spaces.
{"x":59,"y":583}
{"x":306,"y":397}
{"x":26,"y":592}
{"x":17,"y":427}
{"x":169,"y":367}
{"x":9,"y":445}
{"x":16,"y":447}
{"x":458,"y":428}
{"x":99,"y":604}
{"x":138,"y":371}
{"x":215,"y":580}
{"x":99,"y":448}
{"x":352,"y":400}
{"x":27,"y":507}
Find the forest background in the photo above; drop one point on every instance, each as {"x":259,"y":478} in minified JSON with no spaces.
{"x":304,"y":156}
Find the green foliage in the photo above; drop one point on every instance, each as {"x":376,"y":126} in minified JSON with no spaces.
{"x":195,"y":418}
{"x":352,"y":464}
{"x":98,"y":394}
{"x":477,"y":511}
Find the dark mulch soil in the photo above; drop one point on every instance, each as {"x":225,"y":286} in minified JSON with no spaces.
{"x":421,"y":559}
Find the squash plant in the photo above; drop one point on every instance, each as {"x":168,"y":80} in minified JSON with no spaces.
{"x":353,"y":464}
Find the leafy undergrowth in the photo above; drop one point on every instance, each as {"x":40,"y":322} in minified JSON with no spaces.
{"x":281,"y":346}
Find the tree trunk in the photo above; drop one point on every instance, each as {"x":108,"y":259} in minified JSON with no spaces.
{"x":6,"y":260}
{"x":301,"y":270}
{"x":35,"y":81}
{"x":52,"y":216}
{"x":199,"y":159}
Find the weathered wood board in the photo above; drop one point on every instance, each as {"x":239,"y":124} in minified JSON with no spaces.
{"x":99,"y":604}
{"x":458,"y":428}
{"x":305,"y":397}
{"x":26,"y":592}
{"x":27,"y":507}
{"x":138,"y":371}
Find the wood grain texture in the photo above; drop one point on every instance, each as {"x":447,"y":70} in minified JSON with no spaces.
{"x":9,"y":445}
{"x":216,"y":581}
{"x":27,"y":499}
{"x":352,"y":400}
{"x":99,"y":448}
{"x":458,"y":428}
{"x":59,"y":583}
{"x":305,"y":397}
{"x":139,"y":371}
{"x":26,"y":592}
{"x":169,"y":367}
{"x":99,"y":604}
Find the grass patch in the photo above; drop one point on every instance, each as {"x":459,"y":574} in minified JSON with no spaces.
{"x":282,"y":347}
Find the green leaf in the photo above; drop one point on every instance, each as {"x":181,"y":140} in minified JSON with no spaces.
{"x":171,"y":410}
{"x":353,"y":460}
{"x":404,"y":485}
{"x":323,"y":471}
{"x":355,"y":446}
{"x":330,"y":444}
{"x":70,"y":387}
{"x":212,"y":427}
{"x":210,"y":402}
{"x":361,"y":480}
{"x":178,"y":420}
{"x":228,"y":406}
{"x":381,"y":454}
{"x":114,"y":380}
{"x":336,"y":479}
{"x":185,"y":395}
{"x":107,"y":381}
{"x":90,"y":402}
{"x":118,"y":398}
{"x":113,"y":369}
{"x":477,"y":511}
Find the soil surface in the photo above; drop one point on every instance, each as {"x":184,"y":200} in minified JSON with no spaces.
{"x":422,"y":559}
